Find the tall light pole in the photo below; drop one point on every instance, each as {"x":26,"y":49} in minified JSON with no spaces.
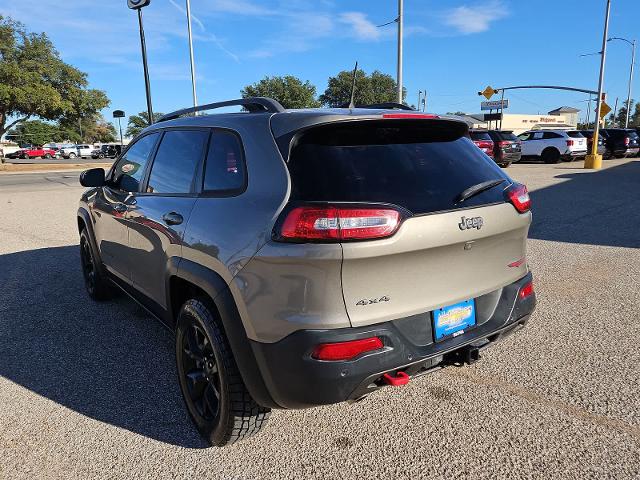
{"x":593,"y":160}
{"x":193,"y":66}
{"x":633,"y":59}
{"x":138,"y":5}
{"x":400,"y":27}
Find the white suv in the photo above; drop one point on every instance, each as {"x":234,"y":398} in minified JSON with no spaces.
{"x":69,"y":151}
{"x":85,"y":150}
{"x":553,"y":145}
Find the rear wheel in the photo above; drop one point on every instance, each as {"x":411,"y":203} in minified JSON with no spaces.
{"x":504,"y":164}
{"x":72,"y":155}
{"x":47,"y":155}
{"x":550,"y":155}
{"x":215,"y":395}
{"x":96,"y":284}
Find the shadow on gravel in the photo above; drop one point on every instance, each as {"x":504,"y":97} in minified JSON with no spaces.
{"x":590,"y":207}
{"x":109,"y":361}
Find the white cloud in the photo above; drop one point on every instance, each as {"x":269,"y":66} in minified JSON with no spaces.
{"x":476,"y":18}
{"x":362,"y":27}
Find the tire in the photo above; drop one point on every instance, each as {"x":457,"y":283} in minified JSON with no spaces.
{"x":72,"y":155}
{"x":101,"y":155}
{"x":24,"y":156}
{"x":504,"y":164}
{"x":46,"y":155}
{"x":97,"y":286}
{"x":550,"y":155}
{"x":216,"y":397}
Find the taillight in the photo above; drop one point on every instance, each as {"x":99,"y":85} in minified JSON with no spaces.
{"x":337,"y":223}
{"x":569,"y":143}
{"x":346,"y":350}
{"x":519,"y":197}
{"x":627,"y":140}
{"x":526,"y":291}
{"x":504,"y":143}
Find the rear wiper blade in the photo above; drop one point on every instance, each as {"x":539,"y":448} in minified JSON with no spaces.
{"x":476,"y":189}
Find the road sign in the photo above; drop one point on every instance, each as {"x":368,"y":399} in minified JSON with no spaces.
{"x":488,"y":92}
{"x":604,"y":109}
{"x":135,"y":4}
{"x":494,"y":104}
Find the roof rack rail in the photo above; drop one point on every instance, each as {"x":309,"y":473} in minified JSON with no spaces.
{"x":252,"y":104}
{"x":383,"y":106}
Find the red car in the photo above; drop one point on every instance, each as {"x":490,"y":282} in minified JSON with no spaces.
{"x":37,"y":152}
{"x":482,"y":140}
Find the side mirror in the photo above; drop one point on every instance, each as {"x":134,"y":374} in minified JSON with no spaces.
{"x":93,"y":177}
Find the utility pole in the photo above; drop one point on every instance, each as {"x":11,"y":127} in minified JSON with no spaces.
{"x":193,"y":66}
{"x":419,"y":99}
{"x":615,"y":113}
{"x":400,"y":27}
{"x":589,"y":111}
{"x":139,"y":5}
{"x":593,"y":160}
{"x":633,"y":59}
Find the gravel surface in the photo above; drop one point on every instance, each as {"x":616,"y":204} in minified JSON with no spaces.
{"x":89,"y":390}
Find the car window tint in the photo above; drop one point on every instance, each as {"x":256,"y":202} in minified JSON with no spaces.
{"x":224,"y":169}
{"x":128,"y":172}
{"x":536,"y":136}
{"x":175,"y":165}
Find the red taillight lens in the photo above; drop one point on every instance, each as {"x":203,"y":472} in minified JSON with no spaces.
{"x":526,"y":291}
{"x":519,"y":197}
{"x":627,"y":140}
{"x":335,"y":224}
{"x":569,"y":143}
{"x":504,"y":143}
{"x":346,"y":350}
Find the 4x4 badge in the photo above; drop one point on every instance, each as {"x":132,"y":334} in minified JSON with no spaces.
{"x":475,"y":222}
{"x":372,"y":301}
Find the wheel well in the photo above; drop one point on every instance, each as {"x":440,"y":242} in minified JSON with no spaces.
{"x":181,"y":290}
{"x":548,"y":149}
{"x":81,"y":225}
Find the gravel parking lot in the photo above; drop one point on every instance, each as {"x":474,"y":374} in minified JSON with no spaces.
{"x":89,"y":390}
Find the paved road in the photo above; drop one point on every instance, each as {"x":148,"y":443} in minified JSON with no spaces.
{"x":89,"y":390}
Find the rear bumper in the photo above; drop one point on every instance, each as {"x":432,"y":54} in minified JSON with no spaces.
{"x":510,"y":157}
{"x":296,"y":380}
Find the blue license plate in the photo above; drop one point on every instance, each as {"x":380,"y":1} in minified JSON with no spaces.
{"x":454,"y":319}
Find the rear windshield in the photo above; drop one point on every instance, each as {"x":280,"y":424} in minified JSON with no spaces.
{"x":586,"y":134}
{"x":480,"y":136}
{"x":420,"y":165}
{"x":575,"y":134}
{"x":508,"y":136}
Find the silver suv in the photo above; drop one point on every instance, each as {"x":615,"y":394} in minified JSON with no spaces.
{"x":308,"y":257}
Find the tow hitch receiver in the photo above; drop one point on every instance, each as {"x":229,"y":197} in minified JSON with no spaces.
{"x":468,"y":355}
{"x":400,"y":378}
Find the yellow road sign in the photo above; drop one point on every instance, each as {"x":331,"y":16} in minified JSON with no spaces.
{"x":488,"y":92}
{"x":604,"y":109}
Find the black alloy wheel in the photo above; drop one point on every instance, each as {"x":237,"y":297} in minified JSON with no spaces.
{"x":96,"y":285}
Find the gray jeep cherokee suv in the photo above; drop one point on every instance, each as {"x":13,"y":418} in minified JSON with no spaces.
{"x":307,"y":257}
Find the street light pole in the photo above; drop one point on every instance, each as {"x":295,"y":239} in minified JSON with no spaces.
{"x":400,"y":27}
{"x":193,"y":66}
{"x":593,"y":160}
{"x":145,"y":66}
{"x":633,"y":60}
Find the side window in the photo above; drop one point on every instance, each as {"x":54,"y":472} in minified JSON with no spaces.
{"x":549,"y":135}
{"x":177,"y":160}
{"x":536,"y":136}
{"x":225,"y":166}
{"x":524,"y":136}
{"x":128,"y":172}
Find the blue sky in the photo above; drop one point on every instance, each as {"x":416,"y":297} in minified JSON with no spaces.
{"x":452,"y":48}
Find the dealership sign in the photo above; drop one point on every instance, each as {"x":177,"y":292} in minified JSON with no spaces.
{"x":494,"y":104}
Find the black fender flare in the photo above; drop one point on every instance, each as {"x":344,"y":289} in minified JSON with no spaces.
{"x":85,"y":217}
{"x":217,"y":289}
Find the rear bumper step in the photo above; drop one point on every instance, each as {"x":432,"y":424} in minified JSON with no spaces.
{"x":296,"y":380}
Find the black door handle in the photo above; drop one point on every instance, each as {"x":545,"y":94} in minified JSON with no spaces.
{"x":172,"y":218}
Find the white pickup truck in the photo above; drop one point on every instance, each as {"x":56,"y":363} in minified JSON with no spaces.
{"x":553,"y":145}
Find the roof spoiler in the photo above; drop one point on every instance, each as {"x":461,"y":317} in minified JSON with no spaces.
{"x":252,"y":104}
{"x":382,"y":106}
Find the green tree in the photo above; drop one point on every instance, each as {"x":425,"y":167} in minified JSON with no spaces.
{"x":290,"y":91}
{"x":370,"y":89}
{"x":139,"y":122}
{"x":94,"y":129}
{"x":34,"y":81}
{"x":621,"y":115}
{"x":35,"y":132}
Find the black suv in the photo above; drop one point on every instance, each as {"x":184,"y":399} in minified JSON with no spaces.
{"x":308,"y":257}
{"x":506,"y":147}
{"x":621,"y":142}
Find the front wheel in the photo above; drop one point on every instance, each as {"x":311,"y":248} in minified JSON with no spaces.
{"x":72,"y":155}
{"x":47,"y":155}
{"x":215,"y":395}
{"x":96,"y":285}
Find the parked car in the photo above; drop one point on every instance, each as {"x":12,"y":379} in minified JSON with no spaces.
{"x":33,"y":152}
{"x":621,"y":142}
{"x":588,"y":134}
{"x":384,"y":245}
{"x":553,"y":145}
{"x":506,"y":147}
{"x":85,"y":151}
{"x":69,"y":151}
{"x":483,"y":141}
{"x":107,"y":151}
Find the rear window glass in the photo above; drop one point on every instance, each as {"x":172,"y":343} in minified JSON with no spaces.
{"x":480,"y":136}
{"x":421,"y":166}
{"x":575,"y":134}
{"x":507,"y":136}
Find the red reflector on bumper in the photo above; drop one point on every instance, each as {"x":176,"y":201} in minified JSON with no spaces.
{"x":526,"y":291}
{"x":346,"y":350}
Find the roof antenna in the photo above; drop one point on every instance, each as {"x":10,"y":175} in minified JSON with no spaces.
{"x":353,"y":87}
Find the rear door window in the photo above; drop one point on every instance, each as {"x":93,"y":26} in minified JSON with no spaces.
{"x":419,"y":165}
{"x":179,"y":154}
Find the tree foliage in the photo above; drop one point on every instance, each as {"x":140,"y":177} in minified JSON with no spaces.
{"x":139,"y":122}
{"x":35,"y":132}
{"x":634,"y":118}
{"x":370,"y":89}
{"x":35,"y":81}
{"x":290,"y":91}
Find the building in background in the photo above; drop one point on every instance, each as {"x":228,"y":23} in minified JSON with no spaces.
{"x":563,"y":118}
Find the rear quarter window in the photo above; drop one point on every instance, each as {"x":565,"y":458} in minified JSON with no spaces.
{"x":419,"y":165}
